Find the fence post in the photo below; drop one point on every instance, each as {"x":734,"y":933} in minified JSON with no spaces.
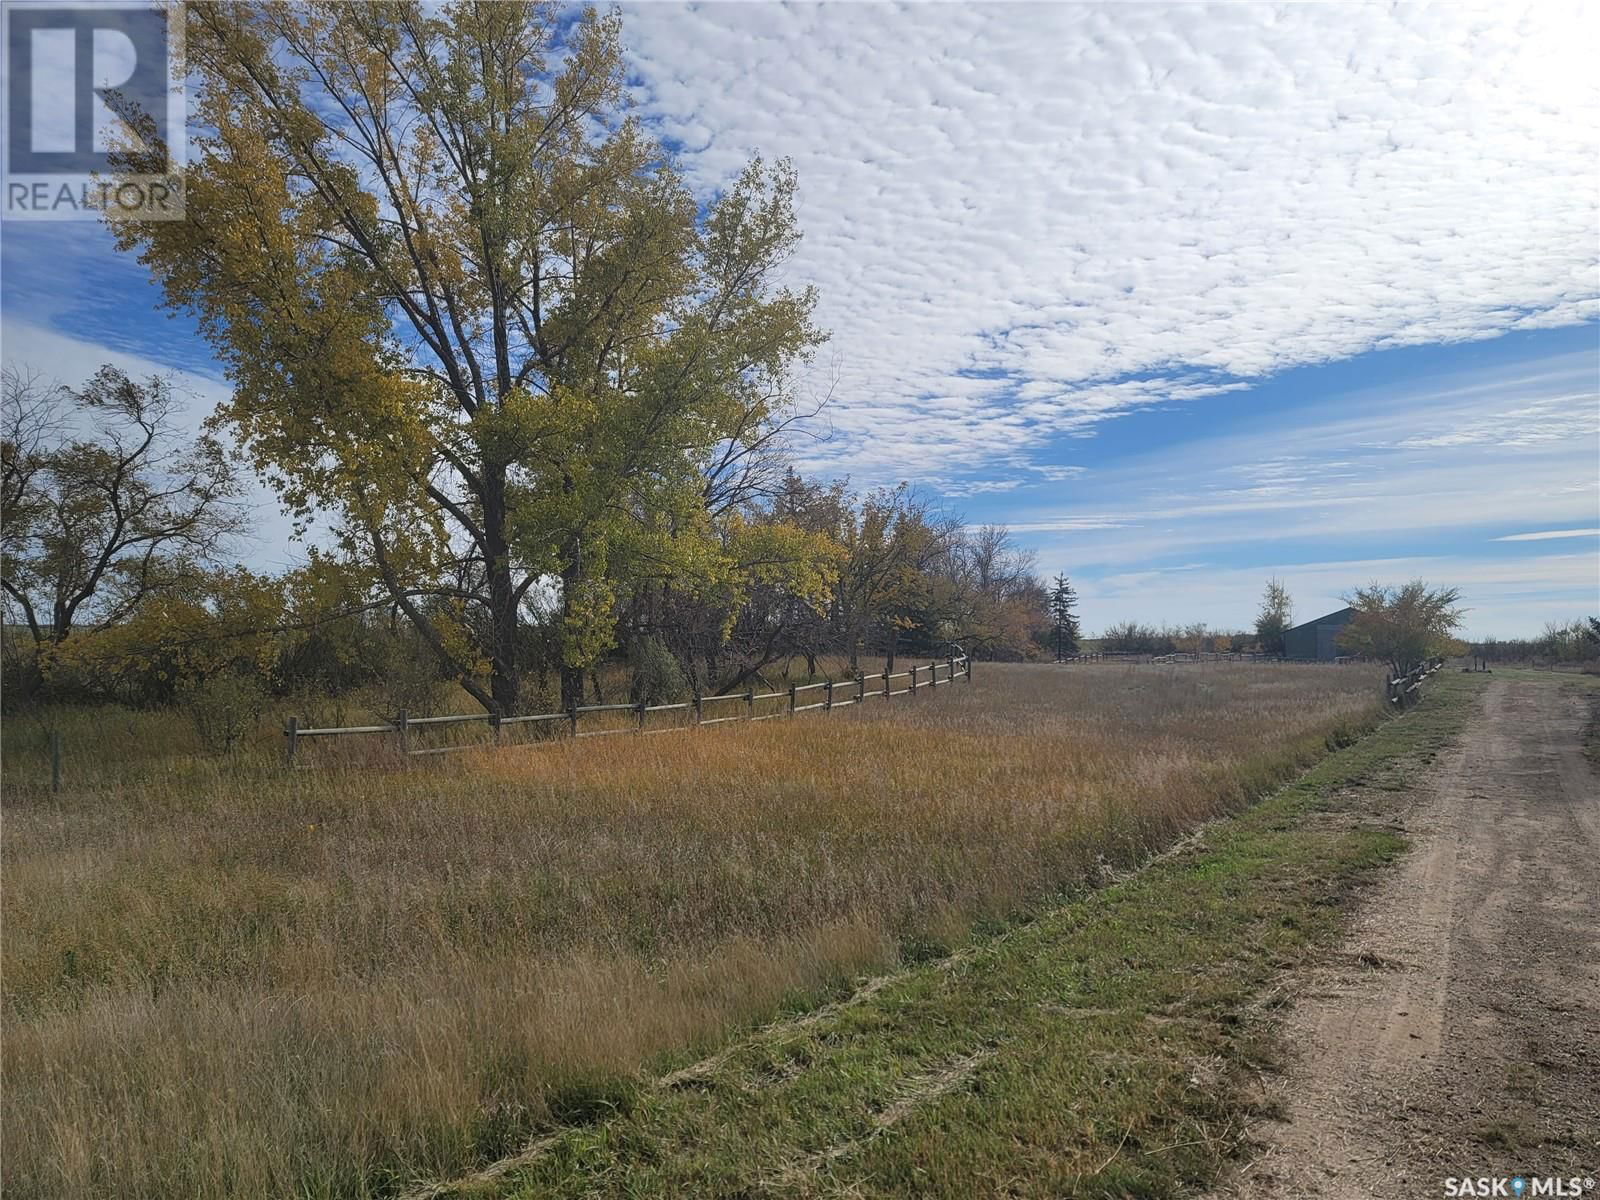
{"x":494,"y":721}
{"x":400,"y":729}
{"x":886,"y":683}
{"x":750,"y":705}
{"x":967,"y":667}
{"x":914,"y":670}
{"x":291,"y":731}
{"x":55,"y":761}
{"x":827,"y":696}
{"x":861,"y":687}
{"x":933,"y":674}
{"x":572,"y":717}
{"x":641,"y":716}
{"x":697,"y":708}
{"x":791,"y":699}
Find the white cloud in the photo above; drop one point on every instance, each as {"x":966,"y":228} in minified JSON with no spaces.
{"x":1053,"y":198}
{"x":958,"y":488}
{"x":1366,"y":466}
{"x":1546,"y":535}
{"x":1068,"y":524}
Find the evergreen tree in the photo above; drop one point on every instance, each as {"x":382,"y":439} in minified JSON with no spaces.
{"x":1063,"y":606}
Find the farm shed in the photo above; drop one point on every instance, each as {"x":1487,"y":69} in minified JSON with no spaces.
{"x":1317,"y":639}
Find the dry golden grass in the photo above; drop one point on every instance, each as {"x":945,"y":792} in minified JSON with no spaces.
{"x":228,"y":980}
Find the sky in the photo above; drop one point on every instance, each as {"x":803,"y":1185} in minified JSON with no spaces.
{"x":1188,"y":297}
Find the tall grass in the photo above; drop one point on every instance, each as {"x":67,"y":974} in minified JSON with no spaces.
{"x":228,"y":980}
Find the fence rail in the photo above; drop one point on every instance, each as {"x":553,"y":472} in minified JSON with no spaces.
{"x":837,"y":693}
{"x":1405,"y":689}
{"x":1141,"y":658}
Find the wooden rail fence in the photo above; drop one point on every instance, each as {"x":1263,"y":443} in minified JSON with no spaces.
{"x":702,"y":710}
{"x":1405,"y":689}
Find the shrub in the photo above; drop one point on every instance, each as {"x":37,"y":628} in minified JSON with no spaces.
{"x":411,"y":679}
{"x":224,"y":708}
{"x":658,"y":676}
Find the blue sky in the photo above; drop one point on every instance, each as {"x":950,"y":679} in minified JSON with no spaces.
{"x":1189,"y":297}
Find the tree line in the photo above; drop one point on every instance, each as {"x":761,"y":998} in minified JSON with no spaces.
{"x":1558,"y":642}
{"x":118,"y":534}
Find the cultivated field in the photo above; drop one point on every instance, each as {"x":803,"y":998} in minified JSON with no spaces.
{"x":226,"y":980}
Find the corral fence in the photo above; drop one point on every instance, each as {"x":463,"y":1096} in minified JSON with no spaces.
{"x":1203,"y":656}
{"x":750,"y":705}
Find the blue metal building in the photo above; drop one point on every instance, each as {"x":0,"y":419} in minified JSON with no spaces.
{"x":1317,"y":639}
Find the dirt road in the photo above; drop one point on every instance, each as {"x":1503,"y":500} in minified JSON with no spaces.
{"x":1457,"y":1032}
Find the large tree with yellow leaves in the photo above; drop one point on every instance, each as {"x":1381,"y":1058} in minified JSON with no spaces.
{"x":472,"y":314}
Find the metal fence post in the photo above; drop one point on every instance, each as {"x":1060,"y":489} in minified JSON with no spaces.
{"x":861,"y":687}
{"x":750,"y":705}
{"x":55,"y":761}
{"x":291,"y":731}
{"x":641,"y":716}
{"x":400,"y":729}
{"x":914,"y":670}
{"x":886,"y":683}
{"x":827,"y":696}
{"x":952,"y":668}
{"x":933,"y":674}
{"x":791,"y":699}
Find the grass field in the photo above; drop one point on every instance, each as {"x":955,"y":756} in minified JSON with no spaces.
{"x":1115,"y":1047}
{"x":224,"y":980}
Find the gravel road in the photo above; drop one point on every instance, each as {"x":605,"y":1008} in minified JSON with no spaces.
{"x":1456,"y":1033}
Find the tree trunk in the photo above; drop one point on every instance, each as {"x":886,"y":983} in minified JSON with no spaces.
{"x":571,"y":677}
{"x":894,"y":644}
{"x":504,"y":683}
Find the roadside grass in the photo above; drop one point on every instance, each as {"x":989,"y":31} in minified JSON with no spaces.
{"x":222,"y":979}
{"x":1109,"y":1048}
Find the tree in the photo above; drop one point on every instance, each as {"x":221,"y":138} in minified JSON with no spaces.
{"x":998,"y":604}
{"x":1404,"y":626}
{"x":473,"y":316}
{"x":1275,"y":617}
{"x":1193,"y":638}
{"x":894,"y":544}
{"x":1063,"y":606}
{"x":1570,"y":641}
{"x":103,"y":503}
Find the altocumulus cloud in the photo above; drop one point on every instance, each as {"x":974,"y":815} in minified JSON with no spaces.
{"x":1027,"y":220}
